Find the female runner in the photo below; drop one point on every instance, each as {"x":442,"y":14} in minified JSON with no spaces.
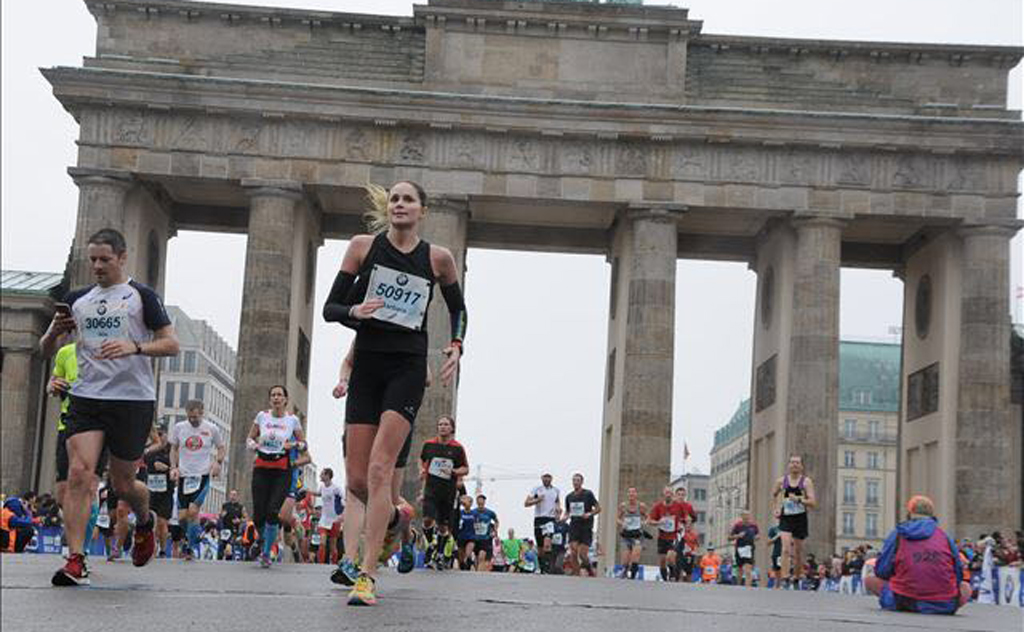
{"x":274,"y":432}
{"x":393,"y":274}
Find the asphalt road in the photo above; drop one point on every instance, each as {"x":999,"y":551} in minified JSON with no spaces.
{"x":170,"y":595}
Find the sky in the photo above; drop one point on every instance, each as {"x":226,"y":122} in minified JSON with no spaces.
{"x":533,"y":375}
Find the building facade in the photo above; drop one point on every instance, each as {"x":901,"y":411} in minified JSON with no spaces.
{"x":730,"y":455}
{"x":696,"y":485}
{"x":204,"y":369}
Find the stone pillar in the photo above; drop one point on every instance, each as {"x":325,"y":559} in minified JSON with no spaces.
{"x":986,"y":492}
{"x":101,"y":196}
{"x":19,"y":424}
{"x":263,"y":341}
{"x":637,"y":429}
{"x":446,"y":225}
{"x":812,"y":404}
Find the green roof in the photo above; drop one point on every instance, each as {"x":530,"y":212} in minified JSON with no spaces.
{"x":869,"y":376}
{"x":31,"y":283}
{"x":738,"y":425}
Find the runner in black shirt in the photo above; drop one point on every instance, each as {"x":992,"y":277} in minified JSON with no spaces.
{"x":442,"y":462}
{"x":161,"y":492}
{"x":581,"y":505}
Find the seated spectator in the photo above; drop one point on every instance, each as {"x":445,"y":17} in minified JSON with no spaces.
{"x":17,"y":524}
{"x":710,"y":566}
{"x":919,"y":569}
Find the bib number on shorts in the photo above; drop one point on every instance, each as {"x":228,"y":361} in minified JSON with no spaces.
{"x":631,"y":523}
{"x":709,"y":571}
{"x":746,"y":552}
{"x":156,"y":483}
{"x":315,"y":539}
{"x":191,"y":484}
{"x":102,"y":322}
{"x":103,"y":521}
{"x":441,"y":467}
{"x":792,"y":507}
{"x":405,"y":296}
{"x":548,"y":528}
{"x":481,"y":528}
{"x":577,"y":509}
{"x":668,"y":524}
{"x":225,"y":534}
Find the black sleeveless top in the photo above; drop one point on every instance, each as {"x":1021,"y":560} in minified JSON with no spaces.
{"x":387,"y":337}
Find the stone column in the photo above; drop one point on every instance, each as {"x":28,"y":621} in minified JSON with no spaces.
{"x":986,"y":494}
{"x":446,"y":225}
{"x":101,"y":196}
{"x":812,"y":403}
{"x":266,"y":313}
{"x":19,"y":425}
{"x":637,"y":435}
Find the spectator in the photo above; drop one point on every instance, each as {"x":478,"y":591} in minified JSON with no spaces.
{"x":919,"y":569}
{"x":17,"y":524}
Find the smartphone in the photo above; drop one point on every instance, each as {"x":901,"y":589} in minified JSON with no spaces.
{"x":63,"y":309}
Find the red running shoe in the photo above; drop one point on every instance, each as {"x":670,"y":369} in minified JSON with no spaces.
{"x":73,"y":573}
{"x":145,"y":543}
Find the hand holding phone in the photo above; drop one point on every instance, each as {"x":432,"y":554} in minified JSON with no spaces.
{"x":63,"y":320}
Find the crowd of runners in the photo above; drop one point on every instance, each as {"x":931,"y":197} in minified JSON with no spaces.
{"x":155,"y":480}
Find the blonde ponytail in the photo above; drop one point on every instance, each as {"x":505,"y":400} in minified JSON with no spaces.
{"x":376,"y":217}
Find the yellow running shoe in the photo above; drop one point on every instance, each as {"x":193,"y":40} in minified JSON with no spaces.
{"x":364,"y":593}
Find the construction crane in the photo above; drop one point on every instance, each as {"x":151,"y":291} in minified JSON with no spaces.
{"x":479,"y":477}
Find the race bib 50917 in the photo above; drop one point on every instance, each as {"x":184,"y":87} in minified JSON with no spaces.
{"x":405,"y":296}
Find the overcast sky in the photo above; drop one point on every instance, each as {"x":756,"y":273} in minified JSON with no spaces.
{"x":533,"y":377}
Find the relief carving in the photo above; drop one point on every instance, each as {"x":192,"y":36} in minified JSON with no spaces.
{"x":298,"y":139}
{"x":466,"y":150}
{"x":356,"y":142}
{"x":191,"y":134}
{"x":132,"y":129}
{"x":523,"y":155}
{"x":577,"y":158}
{"x":909,"y":172}
{"x":853,"y":169}
{"x":742,"y":165}
{"x":798,"y":167}
{"x":631,"y":160}
{"x":690,"y":161}
{"x":965,"y":175}
{"x":413,"y":149}
{"x":246,"y":137}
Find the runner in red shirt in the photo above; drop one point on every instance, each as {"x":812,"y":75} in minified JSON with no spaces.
{"x":666,"y":516}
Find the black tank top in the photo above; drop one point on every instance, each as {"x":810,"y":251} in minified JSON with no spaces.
{"x":382,"y":336}
{"x":798,"y":490}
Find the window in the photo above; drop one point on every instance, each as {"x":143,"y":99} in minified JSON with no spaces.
{"x":700,"y":494}
{"x":847,"y":523}
{"x":200,"y":391}
{"x":871,"y":493}
{"x":871,"y":525}
{"x":169,"y":394}
{"x":874,"y":462}
{"x":849,"y":492}
{"x":190,"y":362}
{"x":848,"y":459}
{"x":174,"y":363}
{"x":849,"y":428}
{"x":701,"y":517}
{"x":873,"y":430}
{"x":183,"y":394}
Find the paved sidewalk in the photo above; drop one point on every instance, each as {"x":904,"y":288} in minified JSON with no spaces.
{"x":169,"y":596}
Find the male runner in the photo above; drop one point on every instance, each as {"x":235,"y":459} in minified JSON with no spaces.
{"x":668,"y":516}
{"x":197,"y":453}
{"x":582,"y":506}
{"x":230,"y":518}
{"x":485,"y":526}
{"x":329,"y":527}
{"x":744,"y":534}
{"x":792,"y":495}
{"x":119,"y":323}
{"x":442,"y":462}
{"x":546,"y":501}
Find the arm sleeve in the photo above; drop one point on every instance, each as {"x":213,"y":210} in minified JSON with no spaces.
{"x":884,"y":565}
{"x":335,"y":309}
{"x":456,"y":309}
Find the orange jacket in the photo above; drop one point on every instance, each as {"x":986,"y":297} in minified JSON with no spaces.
{"x":709,"y":565}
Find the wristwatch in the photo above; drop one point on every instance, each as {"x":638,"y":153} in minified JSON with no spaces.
{"x":138,"y":347}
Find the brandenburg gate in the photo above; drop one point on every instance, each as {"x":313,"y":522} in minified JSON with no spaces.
{"x":609,"y":129}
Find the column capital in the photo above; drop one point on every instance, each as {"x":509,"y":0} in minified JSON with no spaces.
{"x":265,"y":187}
{"x":94,"y":175}
{"x":654,"y":211}
{"x":812,"y":220}
{"x":1005,"y":228}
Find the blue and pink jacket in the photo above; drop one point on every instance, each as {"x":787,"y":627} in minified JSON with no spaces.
{"x":922,"y":563}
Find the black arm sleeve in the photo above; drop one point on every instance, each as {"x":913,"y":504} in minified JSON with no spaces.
{"x":335,"y":311}
{"x":456,"y":309}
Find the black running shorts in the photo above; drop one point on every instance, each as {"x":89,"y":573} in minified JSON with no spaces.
{"x":385,"y":381}
{"x":437,"y":505}
{"x":125,"y":423}
{"x":796,"y":526}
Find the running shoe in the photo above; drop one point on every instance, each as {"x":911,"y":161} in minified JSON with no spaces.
{"x":407,"y":558}
{"x":145,"y":543}
{"x":364,"y":593}
{"x":264,"y":560}
{"x":346,"y":573}
{"x":73,"y":573}
{"x":400,"y":529}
